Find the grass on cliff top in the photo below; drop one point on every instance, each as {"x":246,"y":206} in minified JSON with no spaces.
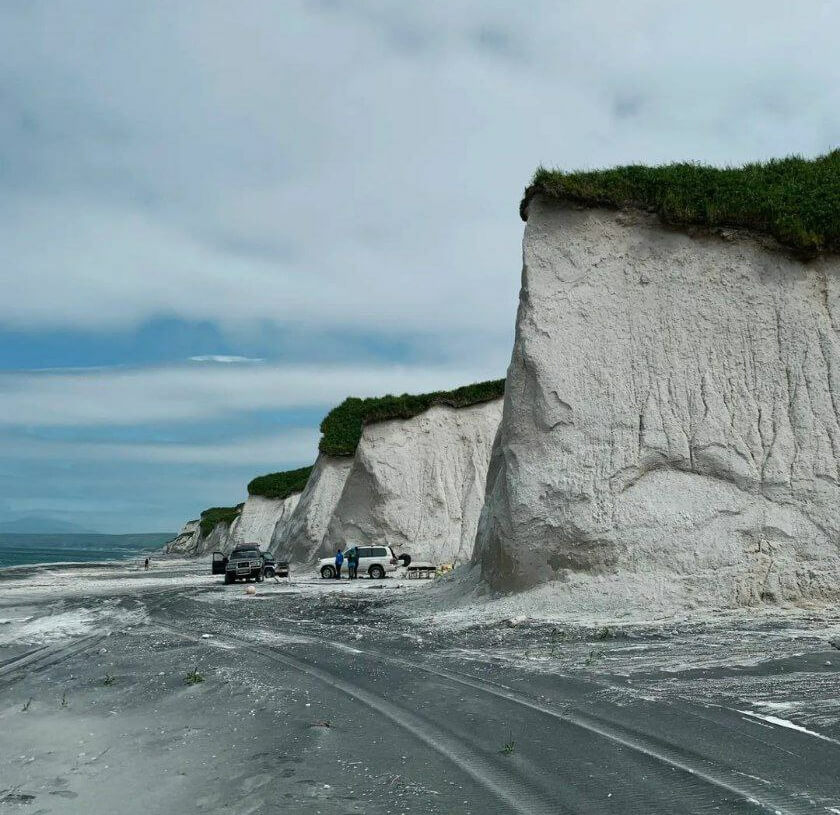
{"x":795,"y":200}
{"x":280,"y":485}
{"x":214,"y":516}
{"x":342,"y":426}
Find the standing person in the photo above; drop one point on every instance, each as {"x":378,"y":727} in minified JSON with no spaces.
{"x":353,"y":563}
{"x":339,"y":559}
{"x":146,"y":565}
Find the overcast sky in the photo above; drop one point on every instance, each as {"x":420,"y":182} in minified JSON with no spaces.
{"x":219,"y":219}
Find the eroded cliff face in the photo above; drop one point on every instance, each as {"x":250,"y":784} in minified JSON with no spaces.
{"x":219,"y":539}
{"x":671,"y":414}
{"x":418,"y":484}
{"x":191,"y":543}
{"x":301,"y":538}
{"x":185,"y":541}
{"x":259,"y":519}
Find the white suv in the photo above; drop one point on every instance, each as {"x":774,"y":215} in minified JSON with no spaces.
{"x":375,"y":561}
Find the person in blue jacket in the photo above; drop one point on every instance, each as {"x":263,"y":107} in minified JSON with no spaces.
{"x":339,"y":559}
{"x":352,"y":562}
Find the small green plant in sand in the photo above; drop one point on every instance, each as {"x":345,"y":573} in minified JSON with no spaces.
{"x":109,"y":679}
{"x":27,"y":705}
{"x":64,"y":699}
{"x":509,"y":746}
{"x":594,"y":655}
{"x":557,"y":637}
{"x":194,"y":677}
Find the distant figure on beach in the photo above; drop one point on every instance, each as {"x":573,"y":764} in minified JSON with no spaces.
{"x":339,"y":559}
{"x":146,"y":564}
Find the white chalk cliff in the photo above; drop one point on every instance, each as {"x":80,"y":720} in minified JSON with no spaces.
{"x":185,"y":541}
{"x":258,"y":521}
{"x":671,"y":414}
{"x":191,"y":542}
{"x":260,"y":518}
{"x":301,"y":538}
{"x":418,"y":484}
{"x":219,"y":539}
{"x":415,"y":483}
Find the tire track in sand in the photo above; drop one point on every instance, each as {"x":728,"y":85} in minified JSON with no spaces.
{"x":515,"y":792}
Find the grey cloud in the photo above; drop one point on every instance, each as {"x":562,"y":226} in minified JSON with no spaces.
{"x":498,"y":41}
{"x":298,"y":162}
{"x":339,"y":168}
{"x":285,"y":448}
{"x":119,"y":397}
{"x":626,"y":105}
{"x":225,"y":359}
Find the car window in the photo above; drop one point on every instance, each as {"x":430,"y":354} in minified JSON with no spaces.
{"x":364,"y":551}
{"x":379,"y":551}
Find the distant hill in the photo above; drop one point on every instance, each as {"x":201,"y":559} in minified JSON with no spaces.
{"x":43,"y":525}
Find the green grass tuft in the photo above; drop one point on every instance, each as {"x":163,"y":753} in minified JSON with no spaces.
{"x":194,"y":677}
{"x":342,"y":426}
{"x":214,"y":516}
{"x":280,"y":485}
{"x":795,"y":200}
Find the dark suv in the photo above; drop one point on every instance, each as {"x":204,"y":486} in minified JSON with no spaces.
{"x":243,"y":563}
{"x":274,"y":568}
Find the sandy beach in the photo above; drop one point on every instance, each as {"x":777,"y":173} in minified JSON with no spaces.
{"x":166,"y":691}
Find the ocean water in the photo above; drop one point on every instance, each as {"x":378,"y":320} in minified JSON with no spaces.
{"x":18,"y":549}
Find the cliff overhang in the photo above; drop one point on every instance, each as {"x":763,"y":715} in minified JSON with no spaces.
{"x":280,"y":485}
{"x":794,"y":200}
{"x":214,"y":516}
{"x":342,"y":427}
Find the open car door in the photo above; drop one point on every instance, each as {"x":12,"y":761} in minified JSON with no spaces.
{"x":219,"y":563}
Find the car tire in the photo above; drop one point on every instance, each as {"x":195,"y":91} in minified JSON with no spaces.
{"x":327,"y":572}
{"x":268,"y":573}
{"x":376,"y":572}
{"x":404,"y":559}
